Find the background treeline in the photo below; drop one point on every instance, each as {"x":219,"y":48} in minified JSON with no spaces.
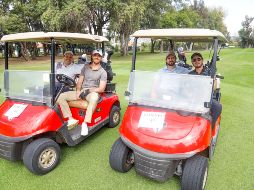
{"x":115,"y":18}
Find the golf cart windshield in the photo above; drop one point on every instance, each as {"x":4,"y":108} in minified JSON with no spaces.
{"x":28,"y":85}
{"x":181,"y":92}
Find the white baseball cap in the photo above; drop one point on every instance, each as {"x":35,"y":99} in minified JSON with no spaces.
{"x":68,"y":52}
{"x":97,"y":51}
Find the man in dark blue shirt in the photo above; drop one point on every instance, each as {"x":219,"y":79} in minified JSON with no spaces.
{"x":197,"y":62}
{"x":199,"y":69}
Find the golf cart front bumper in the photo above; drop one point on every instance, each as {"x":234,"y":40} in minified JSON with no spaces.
{"x":11,"y":148}
{"x":153,"y":165}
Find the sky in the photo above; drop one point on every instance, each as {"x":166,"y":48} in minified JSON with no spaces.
{"x":235,"y":12}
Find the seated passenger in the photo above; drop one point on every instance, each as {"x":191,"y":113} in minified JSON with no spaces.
{"x":197,"y":61}
{"x":67,"y":67}
{"x":92,"y":81}
{"x":171,"y":66}
{"x":82,"y":59}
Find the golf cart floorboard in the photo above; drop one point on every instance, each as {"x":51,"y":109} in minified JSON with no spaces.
{"x":75,"y":133}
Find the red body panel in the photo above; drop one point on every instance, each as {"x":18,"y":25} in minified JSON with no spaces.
{"x":181,"y":134}
{"x":101,"y":112}
{"x":40,"y":119}
{"x":32,"y":121}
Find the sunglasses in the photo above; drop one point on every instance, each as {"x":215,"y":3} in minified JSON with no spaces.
{"x":196,"y":59}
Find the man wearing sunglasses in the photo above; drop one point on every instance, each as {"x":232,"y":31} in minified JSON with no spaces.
{"x":197,"y":62}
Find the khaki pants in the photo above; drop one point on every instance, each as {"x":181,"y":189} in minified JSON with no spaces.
{"x":92,"y":99}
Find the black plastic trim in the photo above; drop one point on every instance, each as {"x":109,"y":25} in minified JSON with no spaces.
{"x":155,"y":155}
{"x":68,"y":139}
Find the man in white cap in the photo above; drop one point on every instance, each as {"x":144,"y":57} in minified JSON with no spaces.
{"x":92,"y":81}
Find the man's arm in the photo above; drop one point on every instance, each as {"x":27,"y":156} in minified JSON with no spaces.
{"x":79,"y":85}
{"x":101,"y":87}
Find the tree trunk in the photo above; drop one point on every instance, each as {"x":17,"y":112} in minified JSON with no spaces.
{"x":24,"y":51}
{"x":152,"y":45}
{"x":44,"y":49}
{"x":161,"y":48}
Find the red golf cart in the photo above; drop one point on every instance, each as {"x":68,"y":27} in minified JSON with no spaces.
{"x":31,"y":124}
{"x":167,"y":127}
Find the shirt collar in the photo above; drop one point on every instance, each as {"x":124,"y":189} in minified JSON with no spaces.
{"x":89,"y":64}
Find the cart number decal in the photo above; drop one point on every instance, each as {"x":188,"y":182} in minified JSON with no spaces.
{"x":15,"y":111}
{"x":152,"y":120}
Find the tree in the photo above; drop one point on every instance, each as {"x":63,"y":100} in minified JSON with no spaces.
{"x":127,"y":20}
{"x":66,"y":16}
{"x":246,"y":34}
{"x":100,"y":13}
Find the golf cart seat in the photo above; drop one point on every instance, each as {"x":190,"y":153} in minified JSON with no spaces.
{"x":81,"y":104}
{"x":110,"y":87}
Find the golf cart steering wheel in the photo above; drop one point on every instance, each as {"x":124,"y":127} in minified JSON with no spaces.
{"x":64,"y":79}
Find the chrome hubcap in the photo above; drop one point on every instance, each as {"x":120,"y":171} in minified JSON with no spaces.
{"x":116,"y":117}
{"x":47,"y":158}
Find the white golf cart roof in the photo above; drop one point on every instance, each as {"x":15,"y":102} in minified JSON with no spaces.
{"x":181,"y":34}
{"x":100,"y":38}
{"x":58,"y":36}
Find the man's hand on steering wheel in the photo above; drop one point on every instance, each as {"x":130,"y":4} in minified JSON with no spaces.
{"x":67,"y":81}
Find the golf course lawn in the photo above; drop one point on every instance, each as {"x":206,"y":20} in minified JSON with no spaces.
{"x":86,"y":166}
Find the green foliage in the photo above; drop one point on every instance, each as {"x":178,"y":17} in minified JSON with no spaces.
{"x":127,"y":20}
{"x":246,"y":34}
{"x":70,"y":18}
{"x":185,"y":18}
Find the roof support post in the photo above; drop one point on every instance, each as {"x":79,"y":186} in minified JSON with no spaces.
{"x":214,"y":59}
{"x":6,"y":63}
{"x":134,"y":54}
{"x":52,"y":74}
{"x":103,"y":48}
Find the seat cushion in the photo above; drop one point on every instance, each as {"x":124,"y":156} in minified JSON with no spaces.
{"x":82,"y":104}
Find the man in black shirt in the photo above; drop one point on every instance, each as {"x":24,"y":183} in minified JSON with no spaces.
{"x":199,"y":69}
{"x":197,"y":62}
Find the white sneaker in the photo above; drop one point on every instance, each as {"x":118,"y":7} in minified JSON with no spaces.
{"x":72,"y":123}
{"x":84,"y":129}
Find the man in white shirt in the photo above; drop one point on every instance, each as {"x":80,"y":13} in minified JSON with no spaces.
{"x":67,"y":67}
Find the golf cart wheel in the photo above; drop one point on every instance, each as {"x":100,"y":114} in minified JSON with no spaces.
{"x":121,"y":157}
{"x":41,"y":156}
{"x":195,"y":173}
{"x":114,"y":117}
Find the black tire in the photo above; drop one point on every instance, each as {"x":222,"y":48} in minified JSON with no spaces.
{"x":114,"y":117}
{"x":195,"y":173}
{"x":121,"y":157}
{"x":34,"y":152}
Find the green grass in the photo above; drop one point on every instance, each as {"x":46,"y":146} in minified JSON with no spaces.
{"x":86,"y":165}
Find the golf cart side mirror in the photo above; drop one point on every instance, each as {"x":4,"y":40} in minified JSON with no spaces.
{"x":223,"y":45}
{"x":219,"y":76}
{"x":127,"y":93}
{"x":207,"y":104}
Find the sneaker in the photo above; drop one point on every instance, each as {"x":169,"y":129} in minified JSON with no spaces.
{"x":72,"y":123}
{"x":84,"y":129}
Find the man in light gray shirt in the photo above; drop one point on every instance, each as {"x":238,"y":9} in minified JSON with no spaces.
{"x":171,"y":66}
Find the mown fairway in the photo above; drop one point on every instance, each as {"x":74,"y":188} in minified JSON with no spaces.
{"x":86,"y":165}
